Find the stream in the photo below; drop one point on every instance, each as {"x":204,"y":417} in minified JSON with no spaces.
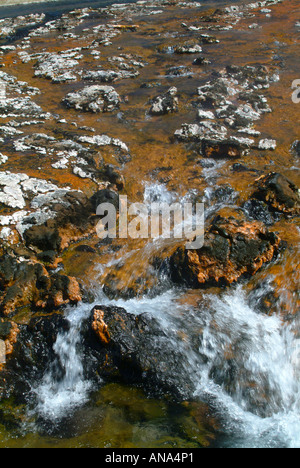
{"x":240,"y":344}
{"x":246,"y":364}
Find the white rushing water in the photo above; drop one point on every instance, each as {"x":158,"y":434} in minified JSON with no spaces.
{"x":264,"y":379}
{"x":266,"y":354}
{"x":63,"y":387}
{"x":246,"y":364}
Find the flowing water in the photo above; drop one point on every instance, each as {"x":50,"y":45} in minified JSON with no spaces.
{"x":245,"y":363}
{"x":63,"y":387}
{"x":254,"y":393}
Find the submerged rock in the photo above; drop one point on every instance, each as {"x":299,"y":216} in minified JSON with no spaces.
{"x":201,"y":61}
{"x":94,"y":99}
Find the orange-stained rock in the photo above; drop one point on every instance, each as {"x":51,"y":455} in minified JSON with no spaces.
{"x":279,"y":193}
{"x":74,"y":291}
{"x":28,"y":283}
{"x":100,"y":327}
{"x":232,"y":248}
{"x":12,"y":338}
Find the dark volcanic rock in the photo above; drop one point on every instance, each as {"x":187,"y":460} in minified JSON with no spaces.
{"x":27,"y":283}
{"x":258,"y":210}
{"x":45,"y":237}
{"x":70,"y":208}
{"x":232,"y":249}
{"x":279,"y":193}
{"x":222,"y":149}
{"x":31,"y":356}
{"x":135,"y":349}
{"x":105,"y":196}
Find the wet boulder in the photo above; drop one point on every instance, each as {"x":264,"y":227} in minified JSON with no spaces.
{"x":278,"y":193}
{"x":32,"y":352}
{"x":179,"y":71}
{"x":28,"y":283}
{"x":45,"y":237}
{"x":233,"y":248}
{"x":68,"y":218}
{"x":94,"y":99}
{"x":9,"y":332}
{"x":201,"y":61}
{"x":105,"y":196}
{"x":258,"y":210}
{"x":226,"y":148}
{"x":134,"y":349}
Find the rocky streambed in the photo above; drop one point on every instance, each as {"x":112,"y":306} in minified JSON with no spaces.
{"x":141,"y":342}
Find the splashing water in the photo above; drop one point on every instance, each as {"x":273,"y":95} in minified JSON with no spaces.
{"x":63,"y":387}
{"x":262,"y":399}
{"x":246,"y":364}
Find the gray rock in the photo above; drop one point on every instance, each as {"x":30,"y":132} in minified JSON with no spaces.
{"x":94,"y":99}
{"x":267,"y":144}
{"x":165,"y":104}
{"x":188,"y":49}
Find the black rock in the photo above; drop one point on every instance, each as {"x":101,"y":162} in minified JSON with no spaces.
{"x":258,"y":210}
{"x":135,"y":349}
{"x":279,"y":193}
{"x":85,"y":248}
{"x":47,"y":257}
{"x":5,"y":328}
{"x":45,"y":237}
{"x":105,"y":196}
{"x":32,"y":355}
